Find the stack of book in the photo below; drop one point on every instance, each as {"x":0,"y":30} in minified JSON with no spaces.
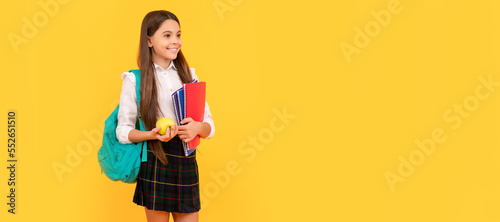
{"x":189,"y":101}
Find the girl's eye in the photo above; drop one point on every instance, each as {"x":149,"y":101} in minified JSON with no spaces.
{"x":179,"y":35}
{"x":167,"y":35}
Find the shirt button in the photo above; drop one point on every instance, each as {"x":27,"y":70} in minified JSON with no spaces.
{"x":164,"y":73}
{"x":170,"y":90}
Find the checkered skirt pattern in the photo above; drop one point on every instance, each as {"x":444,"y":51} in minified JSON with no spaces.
{"x":173,"y":187}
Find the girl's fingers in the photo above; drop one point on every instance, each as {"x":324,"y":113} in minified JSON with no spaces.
{"x":165,"y":138}
{"x":156,"y":129}
{"x":186,"y":120}
{"x":171,"y":133}
{"x":184,"y":138}
{"x":176,"y":128}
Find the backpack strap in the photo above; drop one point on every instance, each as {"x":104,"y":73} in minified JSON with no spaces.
{"x":137,"y":74}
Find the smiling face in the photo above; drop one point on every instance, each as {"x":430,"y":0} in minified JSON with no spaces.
{"x":165,"y":43}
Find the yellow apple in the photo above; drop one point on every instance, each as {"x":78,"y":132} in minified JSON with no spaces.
{"x":165,"y":123}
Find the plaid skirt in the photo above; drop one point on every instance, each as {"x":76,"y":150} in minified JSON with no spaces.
{"x":173,"y":187}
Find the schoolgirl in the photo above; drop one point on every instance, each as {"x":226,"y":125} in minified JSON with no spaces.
{"x":168,"y":182}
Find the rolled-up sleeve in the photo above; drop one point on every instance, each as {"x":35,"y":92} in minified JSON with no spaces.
{"x":127,"y":113}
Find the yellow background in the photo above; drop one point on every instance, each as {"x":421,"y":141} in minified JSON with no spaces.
{"x":353,"y":120}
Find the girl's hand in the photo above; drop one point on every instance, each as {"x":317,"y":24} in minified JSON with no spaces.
{"x":168,"y":135}
{"x":190,"y":130}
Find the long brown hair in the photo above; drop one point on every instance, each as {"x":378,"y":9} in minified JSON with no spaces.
{"x":149,"y":107}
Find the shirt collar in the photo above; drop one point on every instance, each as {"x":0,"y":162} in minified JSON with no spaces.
{"x":171,"y":66}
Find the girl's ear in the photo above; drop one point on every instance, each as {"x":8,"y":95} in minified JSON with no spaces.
{"x":150,"y":44}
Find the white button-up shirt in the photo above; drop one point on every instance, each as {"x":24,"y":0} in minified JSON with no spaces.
{"x":169,"y":82}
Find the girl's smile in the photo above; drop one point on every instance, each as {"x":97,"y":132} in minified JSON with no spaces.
{"x":165,"y":43}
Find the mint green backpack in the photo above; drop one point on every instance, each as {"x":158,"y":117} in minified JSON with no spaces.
{"x":121,"y":162}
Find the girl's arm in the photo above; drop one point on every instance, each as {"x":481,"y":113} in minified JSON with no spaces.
{"x":136,"y":136}
{"x":127,"y":113}
{"x":208,"y":120}
{"x":205,"y":130}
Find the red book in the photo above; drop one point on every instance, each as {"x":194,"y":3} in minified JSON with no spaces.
{"x":194,"y":99}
